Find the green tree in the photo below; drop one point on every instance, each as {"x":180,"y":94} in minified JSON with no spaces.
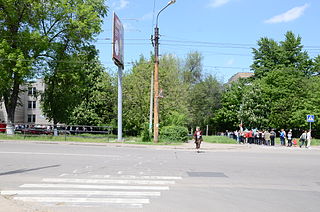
{"x":31,"y":33}
{"x":136,"y":90}
{"x":285,"y":55}
{"x":204,"y":101}
{"x":192,"y":70}
{"x":98,"y":99}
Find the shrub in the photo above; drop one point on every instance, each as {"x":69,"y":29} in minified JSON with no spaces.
{"x":174,"y":134}
{"x":145,"y":134}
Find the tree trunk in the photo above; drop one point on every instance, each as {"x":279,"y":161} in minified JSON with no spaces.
{"x":10,"y":101}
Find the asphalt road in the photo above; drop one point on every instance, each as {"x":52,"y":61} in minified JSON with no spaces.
{"x":85,"y":178}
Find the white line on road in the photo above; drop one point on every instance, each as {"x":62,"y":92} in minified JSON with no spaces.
{"x":79,"y":192}
{"x":83,"y":200}
{"x":102,"y":181}
{"x":101,"y":187}
{"x":140,"y":177}
{"x":58,"y":154}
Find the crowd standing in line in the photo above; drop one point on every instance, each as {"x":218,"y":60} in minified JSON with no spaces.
{"x":267,"y":137}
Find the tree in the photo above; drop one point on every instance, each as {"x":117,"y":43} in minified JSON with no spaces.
{"x":285,"y":55}
{"x":192,"y":70}
{"x":204,"y":101}
{"x":136,"y":94}
{"x":98,"y":99}
{"x":33,"y":31}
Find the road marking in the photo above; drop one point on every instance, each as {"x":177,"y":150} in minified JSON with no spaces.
{"x":57,"y":154}
{"x":78,"y":186}
{"x":140,"y":177}
{"x":79,"y":192}
{"x":83,"y":200}
{"x":96,"y":191}
{"x":100,"y":181}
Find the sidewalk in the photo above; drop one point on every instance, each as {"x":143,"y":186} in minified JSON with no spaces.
{"x":189,"y":146}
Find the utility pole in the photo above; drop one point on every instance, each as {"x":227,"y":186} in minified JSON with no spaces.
{"x":156,"y":86}
{"x":156,"y":78}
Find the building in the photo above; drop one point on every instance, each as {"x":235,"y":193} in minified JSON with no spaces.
{"x":239,"y":75}
{"x":29,"y":111}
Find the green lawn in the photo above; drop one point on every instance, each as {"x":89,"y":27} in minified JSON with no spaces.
{"x":113,"y":138}
{"x":226,"y":140}
{"x":83,"y":138}
{"x":219,"y":139}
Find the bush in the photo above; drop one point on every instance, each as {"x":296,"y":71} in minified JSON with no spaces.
{"x":145,"y":134}
{"x":174,"y":134}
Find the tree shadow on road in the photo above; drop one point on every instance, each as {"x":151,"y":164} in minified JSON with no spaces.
{"x":18,"y":171}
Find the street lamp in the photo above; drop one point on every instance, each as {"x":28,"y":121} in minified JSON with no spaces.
{"x":156,"y":77}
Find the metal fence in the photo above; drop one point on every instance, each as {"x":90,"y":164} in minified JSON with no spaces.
{"x":67,"y":131}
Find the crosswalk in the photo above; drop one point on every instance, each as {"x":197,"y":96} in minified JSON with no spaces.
{"x":94,"y":191}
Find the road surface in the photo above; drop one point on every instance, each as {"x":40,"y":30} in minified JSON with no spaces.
{"x":41,"y":176}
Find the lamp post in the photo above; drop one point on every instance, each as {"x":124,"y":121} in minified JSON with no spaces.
{"x":156,"y":77}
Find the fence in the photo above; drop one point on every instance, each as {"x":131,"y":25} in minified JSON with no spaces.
{"x":66,"y":132}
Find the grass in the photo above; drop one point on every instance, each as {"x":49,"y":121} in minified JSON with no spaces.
{"x":219,"y":139}
{"x":113,"y":138}
{"x":88,"y":138}
{"x":226,"y":140}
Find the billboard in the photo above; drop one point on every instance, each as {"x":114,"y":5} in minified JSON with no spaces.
{"x":117,"y":42}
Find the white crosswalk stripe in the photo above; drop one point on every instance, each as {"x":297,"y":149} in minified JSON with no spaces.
{"x":94,"y":191}
{"x":96,"y":181}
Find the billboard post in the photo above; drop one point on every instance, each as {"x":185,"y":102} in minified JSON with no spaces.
{"x":118,"y":58}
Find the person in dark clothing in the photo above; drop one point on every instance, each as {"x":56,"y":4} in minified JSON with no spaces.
{"x":272,"y":137}
{"x":197,"y":137}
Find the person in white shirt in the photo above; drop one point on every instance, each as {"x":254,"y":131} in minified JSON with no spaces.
{"x":309,"y":139}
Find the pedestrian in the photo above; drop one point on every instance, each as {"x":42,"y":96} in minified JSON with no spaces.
{"x":272,"y":137}
{"x":250,"y":137}
{"x":267,"y":138}
{"x":309,"y":139}
{"x":197,"y":138}
{"x":303,"y":139}
{"x":256,"y":141}
{"x":283,"y":137}
{"x":289,"y":137}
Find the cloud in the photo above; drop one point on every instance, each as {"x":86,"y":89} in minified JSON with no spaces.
{"x":230,"y":62}
{"x":218,"y":3}
{"x":147,"y":16}
{"x":121,"y":4}
{"x":290,"y":15}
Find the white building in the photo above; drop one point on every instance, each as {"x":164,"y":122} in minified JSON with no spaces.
{"x":29,"y":112}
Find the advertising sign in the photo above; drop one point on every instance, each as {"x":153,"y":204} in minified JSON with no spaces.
{"x":117,"y":42}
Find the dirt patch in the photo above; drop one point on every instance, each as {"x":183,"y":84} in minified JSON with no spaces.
{"x":8,"y":204}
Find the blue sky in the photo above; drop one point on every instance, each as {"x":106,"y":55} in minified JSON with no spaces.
{"x":224,"y":31}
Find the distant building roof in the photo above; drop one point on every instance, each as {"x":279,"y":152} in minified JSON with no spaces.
{"x":240,"y":75}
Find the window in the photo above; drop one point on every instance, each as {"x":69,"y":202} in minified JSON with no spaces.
{"x":32,"y":104}
{"x":31,"y":118}
{"x":32,"y":91}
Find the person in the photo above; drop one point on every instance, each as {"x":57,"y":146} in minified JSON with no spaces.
{"x":197,"y":137}
{"x":272,"y":137}
{"x":289,"y":137}
{"x":283,"y":137}
{"x":267,"y":137}
{"x":303,"y":139}
{"x":309,"y":139}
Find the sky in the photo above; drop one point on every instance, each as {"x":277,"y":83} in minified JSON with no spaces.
{"x":223,"y":31}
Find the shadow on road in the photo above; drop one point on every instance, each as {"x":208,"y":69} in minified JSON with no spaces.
{"x":18,"y":171}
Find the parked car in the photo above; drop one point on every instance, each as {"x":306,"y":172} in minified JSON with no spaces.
{"x":37,"y":131}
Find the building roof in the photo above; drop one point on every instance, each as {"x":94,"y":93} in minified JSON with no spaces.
{"x":240,"y":75}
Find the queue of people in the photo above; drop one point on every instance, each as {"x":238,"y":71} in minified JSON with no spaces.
{"x":267,"y":137}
